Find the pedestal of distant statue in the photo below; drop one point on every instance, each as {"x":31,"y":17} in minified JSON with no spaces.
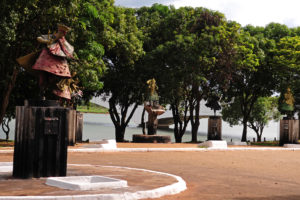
{"x":289,"y":131}
{"x":289,"y":127}
{"x":214,"y":131}
{"x":153,"y":111}
{"x":41,"y":139}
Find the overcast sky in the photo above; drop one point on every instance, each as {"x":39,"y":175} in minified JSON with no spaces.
{"x":255,"y":12}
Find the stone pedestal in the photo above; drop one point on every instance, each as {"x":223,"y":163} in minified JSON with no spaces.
{"x":289,"y":131}
{"x":153,"y":112}
{"x":214,"y":131}
{"x":41,"y":138}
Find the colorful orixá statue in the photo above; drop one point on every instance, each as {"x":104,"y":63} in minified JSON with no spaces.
{"x":286,"y":103}
{"x":152,"y":87}
{"x":51,"y":64}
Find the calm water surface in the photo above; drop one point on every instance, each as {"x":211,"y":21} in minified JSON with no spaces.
{"x":99,"y":126}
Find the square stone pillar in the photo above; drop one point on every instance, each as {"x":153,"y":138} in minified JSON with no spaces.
{"x":214,"y":128}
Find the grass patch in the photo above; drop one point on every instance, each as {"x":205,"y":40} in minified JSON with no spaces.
{"x":4,"y":143}
{"x":267,"y":143}
{"x":92,"y":108}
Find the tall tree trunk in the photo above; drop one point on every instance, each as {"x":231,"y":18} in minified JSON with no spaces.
{"x":182,"y":123}
{"x":244,"y":136}
{"x":261,"y":129}
{"x":178,"y":139}
{"x":195,"y":122}
{"x":120,"y":123}
{"x":120,"y":133}
{"x":5,"y":127}
{"x":176,"y":120}
{"x":258,"y":138}
{"x":143,"y":122}
{"x":6,"y":95}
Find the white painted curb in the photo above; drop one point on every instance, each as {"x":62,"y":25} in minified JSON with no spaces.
{"x":216,"y":144}
{"x":102,"y":150}
{"x":172,"y":189}
{"x":183,"y":149}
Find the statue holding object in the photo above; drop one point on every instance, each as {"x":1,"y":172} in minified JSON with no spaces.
{"x":51,"y":66}
{"x":45,"y":124}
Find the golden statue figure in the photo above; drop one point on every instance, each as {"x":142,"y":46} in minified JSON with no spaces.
{"x":288,"y":97}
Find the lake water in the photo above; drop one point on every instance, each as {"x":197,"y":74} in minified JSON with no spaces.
{"x":99,"y":126}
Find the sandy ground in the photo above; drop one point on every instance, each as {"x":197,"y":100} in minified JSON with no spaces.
{"x":238,"y":175}
{"x":136,"y":180}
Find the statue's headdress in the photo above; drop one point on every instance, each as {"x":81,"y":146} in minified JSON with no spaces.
{"x":63,"y":28}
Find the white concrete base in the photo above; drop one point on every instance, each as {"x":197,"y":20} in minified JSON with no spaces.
{"x":108,"y":144}
{"x":104,"y":144}
{"x":6,"y":167}
{"x":172,"y":189}
{"x":85,"y":182}
{"x":237,"y":143}
{"x":291,"y":145}
{"x":216,"y":144}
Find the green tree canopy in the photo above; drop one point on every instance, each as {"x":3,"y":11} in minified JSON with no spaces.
{"x":263,"y":111}
{"x":121,"y":80}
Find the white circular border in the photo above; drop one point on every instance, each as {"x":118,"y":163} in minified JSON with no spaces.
{"x":172,"y":189}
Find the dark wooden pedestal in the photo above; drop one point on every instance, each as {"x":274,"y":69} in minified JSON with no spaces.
{"x":289,"y":131}
{"x":138,"y":138}
{"x":79,"y":127}
{"x":214,"y":128}
{"x":75,"y":127}
{"x":41,"y":139}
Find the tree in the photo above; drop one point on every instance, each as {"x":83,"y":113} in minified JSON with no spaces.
{"x":276,"y":31}
{"x":212,"y":69}
{"x":255,"y":77}
{"x":192,"y":56}
{"x":286,"y":61}
{"x":121,"y":81}
{"x":263,"y":111}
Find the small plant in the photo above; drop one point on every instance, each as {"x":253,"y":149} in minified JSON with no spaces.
{"x":267,"y":143}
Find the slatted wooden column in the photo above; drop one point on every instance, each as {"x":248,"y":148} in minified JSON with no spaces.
{"x":214,"y":128}
{"x":41,"y":138}
{"x":79,"y":127}
{"x":71,"y":127}
{"x":289,"y":131}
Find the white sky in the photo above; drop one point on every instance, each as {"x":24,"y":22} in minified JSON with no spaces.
{"x":255,"y":12}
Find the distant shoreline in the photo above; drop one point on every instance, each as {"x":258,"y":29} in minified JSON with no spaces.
{"x":89,"y":112}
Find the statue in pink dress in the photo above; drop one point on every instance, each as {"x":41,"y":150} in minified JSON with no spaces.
{"x":51,"y":64}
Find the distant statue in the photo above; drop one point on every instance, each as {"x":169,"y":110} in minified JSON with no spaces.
{"x":153,"y":108}
{"x":152,"y":88}
{"x":213,"y":103}
{"x":51,"y":66}
{"x":286,"y":103}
